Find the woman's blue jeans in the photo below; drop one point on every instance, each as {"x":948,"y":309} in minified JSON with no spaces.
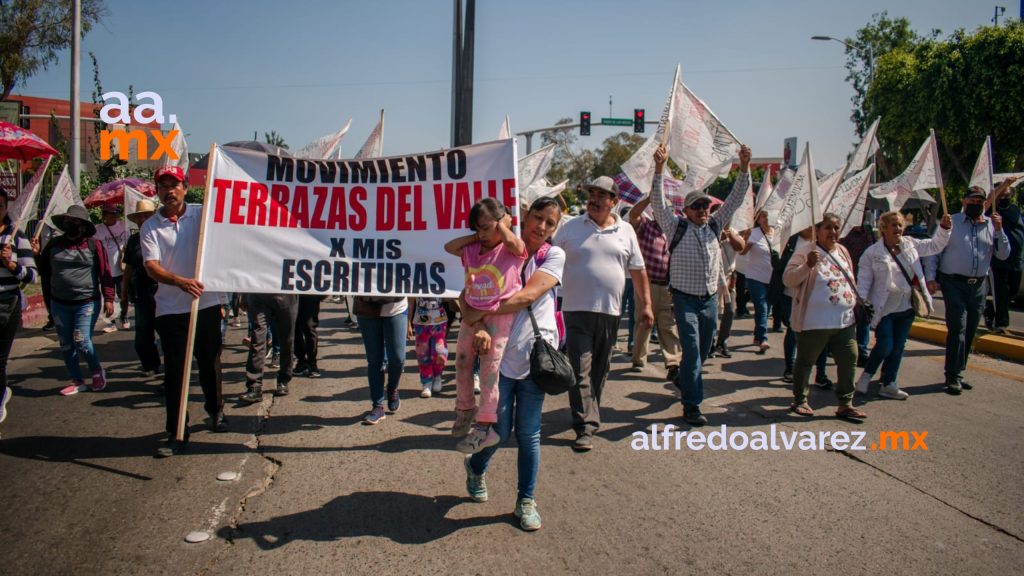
{"x":759,"y":295}
{"x":75,"y":323}
{"x":520,"y":402}
{"x":380,"y":334}
{"x":890,"y":339}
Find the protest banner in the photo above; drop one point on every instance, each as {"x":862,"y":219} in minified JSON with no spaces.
{"x":64,"y":196}
{"x":850,"y":199}
{"x":921,"y":174}
{"x":366,"y":226}
{"x":801,"y":206}
{"x":180,"y":148}
{"x":505,"y":131}
{"x":21,"y":210}
{"x":325,"y":146}
{"x":866,"y":149}
{"x":981,"y":176}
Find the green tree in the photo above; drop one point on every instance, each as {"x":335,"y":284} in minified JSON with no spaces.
{"x":33,"y":32}
{"x":274,"y":139}
{"x":966,"y":87}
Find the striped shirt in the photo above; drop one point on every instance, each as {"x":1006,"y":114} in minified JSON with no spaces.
{"x":696,"y":263}
{"x":25,"y":269}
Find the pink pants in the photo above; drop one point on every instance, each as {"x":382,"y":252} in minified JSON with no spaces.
{"x":431,"y":351}
{"x":498,"y":327}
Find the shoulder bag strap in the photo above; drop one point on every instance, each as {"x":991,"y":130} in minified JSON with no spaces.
{"x":846,"y":274}
{"x":902,"y":269}
{"x":529,"y":307}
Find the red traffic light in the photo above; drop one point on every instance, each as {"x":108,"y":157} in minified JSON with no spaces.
{"x":638,"y":120}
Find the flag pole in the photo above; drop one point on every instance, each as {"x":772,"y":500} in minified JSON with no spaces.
{"x":938,"y":175}
{"x":194,"y":311}
{"x":671,"y":105}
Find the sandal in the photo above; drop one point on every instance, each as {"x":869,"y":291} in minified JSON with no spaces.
{"x":801,"y":409}
{"x":849,"y":412}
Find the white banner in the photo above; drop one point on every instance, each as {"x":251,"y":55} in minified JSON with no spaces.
{"x":370,"y":226}
{"x":998,"y":178}
{"x":850,"y":199}
{"x":866,"y":149}
{"x":131,"y":201}
{"x":505,"y":131}
{"x":64,"y":196}
{"x":743,"y":218}
{"x":800,"y":208}
{"x":374,"y":145}
{"x":180,"y":148}
{"x":828,"y":186}
{"x":324,"y":146}
{"x":24,"y":206}
{"x":982,"y":174}
{"x":532,"y":169}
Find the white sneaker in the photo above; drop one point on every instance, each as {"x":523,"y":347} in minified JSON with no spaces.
{"x":425,"y":393}
{"x":438,"y":384}
{"x":891,"y":390}
{"x":109,"y":328}
{"x":863,"y":382}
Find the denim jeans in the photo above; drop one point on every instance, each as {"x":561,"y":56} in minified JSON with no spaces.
{"x":759,"y":295}
{"x":520,"y":403}
{"x":890,"y":338}
{"x":75,"y":323}
{"x":629,"y":309}
{"x":695,"y":318}
{"x":380,"y":334}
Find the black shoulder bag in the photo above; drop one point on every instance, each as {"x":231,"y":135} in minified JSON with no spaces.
{"x":549,"y":369}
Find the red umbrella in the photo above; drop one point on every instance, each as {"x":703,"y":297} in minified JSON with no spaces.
{"x":113,"y":192}
{"x":20,"y":144}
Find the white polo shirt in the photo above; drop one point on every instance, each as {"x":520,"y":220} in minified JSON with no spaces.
{"x":596,"y":264}
{"x":175,"y":245}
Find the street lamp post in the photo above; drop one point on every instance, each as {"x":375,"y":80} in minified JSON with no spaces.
{"x":867,"y":47}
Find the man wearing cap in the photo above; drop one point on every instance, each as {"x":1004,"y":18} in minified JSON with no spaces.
{"x":599,"y":249}
{"x":141,"y":289}
{"x":170,"y":244}
{"x":112,"y":234}
{"x":694,"y":268}
{"x":960,"y":271}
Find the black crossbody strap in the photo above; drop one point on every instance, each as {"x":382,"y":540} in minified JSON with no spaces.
{"x":902,"y":269}
{"x":846,"y":275}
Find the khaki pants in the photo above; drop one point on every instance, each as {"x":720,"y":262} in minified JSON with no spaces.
{"x":668,"y":334}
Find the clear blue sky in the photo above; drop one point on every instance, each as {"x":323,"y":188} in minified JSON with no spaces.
{"x":228,"y":68}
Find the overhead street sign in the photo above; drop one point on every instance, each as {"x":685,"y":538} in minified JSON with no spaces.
{"x":616,"y":121}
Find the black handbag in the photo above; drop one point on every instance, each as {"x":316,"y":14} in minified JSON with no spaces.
{"x":863,"y":311}
{"x":549,"y":369}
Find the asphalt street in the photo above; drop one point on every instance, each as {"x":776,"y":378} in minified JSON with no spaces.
{"x":318,"y":493}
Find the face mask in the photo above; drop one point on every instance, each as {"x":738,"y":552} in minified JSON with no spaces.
{"x":1004,"y":202}
{"x":973,"y":211}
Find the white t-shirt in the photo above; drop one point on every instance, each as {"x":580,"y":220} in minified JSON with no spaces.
{"x":757,"y":262}
{"x":596,"y":260}
{"x":175,"y":245}
{"x":832,"y":300}
{"x":113,"y":239}
{"x":516,"y":361}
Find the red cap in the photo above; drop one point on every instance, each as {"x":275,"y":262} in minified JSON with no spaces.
{"x":174,"y":171}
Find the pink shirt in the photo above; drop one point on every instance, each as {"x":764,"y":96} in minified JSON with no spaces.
{"x":491,"y":277}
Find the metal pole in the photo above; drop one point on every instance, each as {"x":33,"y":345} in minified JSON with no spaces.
{"x":76,"y":111}
{"x":466,"y":114}
{"x":456,"y":71}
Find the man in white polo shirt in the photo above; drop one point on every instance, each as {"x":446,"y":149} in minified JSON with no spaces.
{"x":170,"y":244}
{"x":599,"y":249}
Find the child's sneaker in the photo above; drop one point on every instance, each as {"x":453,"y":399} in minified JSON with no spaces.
{"x":75,"y":387}
{"x":463,"y":422}
{"x":482,"y":436}
{"x":425,"y":393}
{"x":99,"y":380}
{"x":476,"y":486}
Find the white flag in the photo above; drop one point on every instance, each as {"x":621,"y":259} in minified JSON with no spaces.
{"x":505,"y":131}
{"x":64,"y":196}
{"x":324,"y":146}
{"x":998,"y":178}
{"x":180,"y":148}
{"x":866,"y":149}
{"x":131,"y":200}
{"x":375,"y":142}
{"x":532,"y":169}
{"x":800,"y":208}
{"x":921,"y":174}
{"x":23,"y":208}
{"x":764,"y":193}
{"x":743,"y":218}
{"x":850,"y":198}
{"x":982,"y":174}
{"x":828,"y":186}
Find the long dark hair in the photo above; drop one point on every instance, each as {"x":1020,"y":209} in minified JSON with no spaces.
{"x":488,"y":206}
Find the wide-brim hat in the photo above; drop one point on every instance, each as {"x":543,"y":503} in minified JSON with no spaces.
{"x":605,"y":184}
{"x":75,"y":212}
{"x":142,"y":208}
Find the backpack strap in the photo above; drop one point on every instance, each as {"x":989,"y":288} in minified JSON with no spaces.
{"x":677,"y":237}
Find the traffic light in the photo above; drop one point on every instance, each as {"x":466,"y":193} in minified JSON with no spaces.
{"x":638,"y":120}
{"x":584,"y":123}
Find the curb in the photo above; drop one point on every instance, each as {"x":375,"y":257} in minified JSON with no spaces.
{"x":991,"y":344}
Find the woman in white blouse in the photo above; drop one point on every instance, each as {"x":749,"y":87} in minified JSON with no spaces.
{"x":755,"y":262}
{"x":824,"y":295}
{"x":882,"y":280}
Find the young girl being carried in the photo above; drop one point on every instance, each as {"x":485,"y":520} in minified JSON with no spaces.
{"x":492,"y":256}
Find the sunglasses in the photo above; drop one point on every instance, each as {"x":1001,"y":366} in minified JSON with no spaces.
{"x":700,"y":205}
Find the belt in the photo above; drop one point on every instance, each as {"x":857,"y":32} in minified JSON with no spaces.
{"x":659,"y":283}
{"x":694,"y":296}
{"x":968,"y":279}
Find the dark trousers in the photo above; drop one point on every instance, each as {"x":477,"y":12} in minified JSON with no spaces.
{"x":964,"y":304}
{"x":10,"y":321}
{"x":173,"y":331}
{"x":145,"y":333}
{"x":1007,"y":282}
{"x":305,"y":330}
{"x":742,"y":297}
{"x":589,"y":339}
{"x":279,"y":311}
